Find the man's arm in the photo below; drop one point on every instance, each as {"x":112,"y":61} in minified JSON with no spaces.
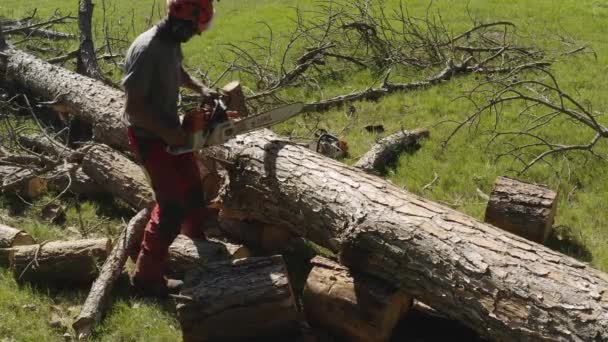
{"x":137,"y":114}
{"x":195,"y":85}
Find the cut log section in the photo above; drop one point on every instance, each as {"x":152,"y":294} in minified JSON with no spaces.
{"x":358,"y":308}
{"x":237,"y":98}
{"x":238,"y":299}
{"x":60,"y":262}
{"x":186,"y":253}
{"x":522,"y":208}
{"x":23,"y":181}
{"x":99,"y":296}
{"x":11,"y":237}
{"x":386,"y":152}
{"x":499,"y":284}
{"x":118,"y":175}
{"x":266,"y":237}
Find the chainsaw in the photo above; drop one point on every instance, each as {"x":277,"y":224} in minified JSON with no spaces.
{"x":220,"y":128}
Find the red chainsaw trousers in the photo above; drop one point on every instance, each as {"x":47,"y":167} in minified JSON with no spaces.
{"x":179,"y":203}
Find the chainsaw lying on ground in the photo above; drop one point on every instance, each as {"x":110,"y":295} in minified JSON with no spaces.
{"x":219,"y":127}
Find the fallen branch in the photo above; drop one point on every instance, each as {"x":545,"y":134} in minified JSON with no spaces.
{"x":98,"y":299}
{"x":385,"y":152}
{"x":87,"y":62}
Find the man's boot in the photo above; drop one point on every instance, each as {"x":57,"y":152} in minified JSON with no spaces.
{"x":148,"y":277}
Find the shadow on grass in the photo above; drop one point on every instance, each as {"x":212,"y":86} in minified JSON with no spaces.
{"x":563,"y":240}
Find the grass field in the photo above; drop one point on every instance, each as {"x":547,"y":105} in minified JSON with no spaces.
{"x":467,"y":164}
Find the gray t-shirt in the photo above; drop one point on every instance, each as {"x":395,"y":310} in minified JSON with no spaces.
{"x":152,"y":69}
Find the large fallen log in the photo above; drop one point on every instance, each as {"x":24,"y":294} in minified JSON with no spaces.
{"x":497,"y":283}
{"x":239,"y":299}
{"x":186,"y":254}
{"x":118,"y":175}
{"x":91,"y":100}
{"x":358,"y":308}
{"x":59,"y":262}
{"x":99,"y":296}
{"x":70,"y":177}
{"x":522,"y":208}
{"x":386,"y":152}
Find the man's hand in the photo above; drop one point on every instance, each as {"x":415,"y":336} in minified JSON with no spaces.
{"x":175,"y":137}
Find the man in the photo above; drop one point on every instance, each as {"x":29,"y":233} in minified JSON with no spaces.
{"x":153,"y":75}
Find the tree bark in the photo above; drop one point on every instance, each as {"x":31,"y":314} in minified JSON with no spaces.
{"x":3,"y":44}
{"x":239,"y":299}
{"x":86,"y":63}
{"x":386,"y":152}
{"x":91,"y":100}
{"x":60,"y":262}
{"x":358,"y":308}
{"x":118,"y":175}
{"x":99,"y":296}
{"x":521,"y":208}
{"x":186,"y":254}
{"x":499,"y":284}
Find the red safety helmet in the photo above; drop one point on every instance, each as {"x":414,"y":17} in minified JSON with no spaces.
{"x":198,"y":11}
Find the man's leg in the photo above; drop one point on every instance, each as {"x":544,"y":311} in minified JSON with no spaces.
{"x":196,"y":212}
{"x":164,"y":173}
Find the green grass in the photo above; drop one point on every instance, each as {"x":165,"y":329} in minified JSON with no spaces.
{"x":467,"y":164}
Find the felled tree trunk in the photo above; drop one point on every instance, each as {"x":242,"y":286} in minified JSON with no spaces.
{"x":239,"y":299}
{"x":118,"y":175}
{"x":72,"y":178}
{"x":91,"y":100}
{"x":386,"y":152}
{"x":87,"y":62}
{"x":99,"y":296}
{"x":186,"y":254}
{"x":43,"y":144}
{"x":522,"y":208}
{"x":495,"y":282}
{"x":60,"y":262}
{"x":358,"y":308}
{"x":267,"y":237}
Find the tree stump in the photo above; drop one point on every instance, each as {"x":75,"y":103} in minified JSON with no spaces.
{"x":522,"y":208}
{"x":60,"y":262}
{"x":357,"y":308}
{"x":186,"y":253}
{"x":239,"y":299}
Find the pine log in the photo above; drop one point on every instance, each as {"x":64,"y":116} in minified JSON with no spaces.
{"x":495,"y":282}
{"x":98,"y":299}
{"x":23,"y":181}
{"x":357,"y":308}
{"x":239,"y":299}
{"x":89,"y":99}
{"x":118,"y":175}
{"x":267,"y":237}
{"x":72,"y":178}
{"x":522,"y":208}
{"x":41,"y":143}
{"x":386,"y":152}
{"x":236,"y":98}
{"x":186,"y":254}
{"x":9,"y":238}
{"x":60,"y":262}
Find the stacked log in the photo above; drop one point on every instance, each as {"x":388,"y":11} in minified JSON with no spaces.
{"x":238,"y":299}
{"x":357,"y":308}
{"x":59,"y":262}
{"x":186,"y":254}
{"x":9,"y":238}
{"x":522,"y":208}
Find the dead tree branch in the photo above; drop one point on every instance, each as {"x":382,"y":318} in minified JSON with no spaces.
{"x":87,"y":62}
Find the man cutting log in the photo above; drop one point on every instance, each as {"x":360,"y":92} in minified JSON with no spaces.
{"x":153,"y":76}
